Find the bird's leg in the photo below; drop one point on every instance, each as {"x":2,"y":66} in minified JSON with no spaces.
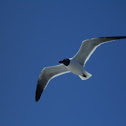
{"x":84,"y":75}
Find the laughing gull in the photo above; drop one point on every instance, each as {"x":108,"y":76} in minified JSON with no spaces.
{"x":74,"y":65}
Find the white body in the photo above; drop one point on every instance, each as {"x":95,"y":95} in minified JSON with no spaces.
{"x":76,"y":68}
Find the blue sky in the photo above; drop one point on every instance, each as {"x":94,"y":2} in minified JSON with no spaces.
{"x":36,"y":34}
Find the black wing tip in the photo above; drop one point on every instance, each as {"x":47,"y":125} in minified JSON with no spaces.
{"x":39,"y":91}
{"x":115,"y":37}
{"x":36,"y":99}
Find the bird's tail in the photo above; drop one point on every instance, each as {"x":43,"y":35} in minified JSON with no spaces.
{"x":85,"y":76}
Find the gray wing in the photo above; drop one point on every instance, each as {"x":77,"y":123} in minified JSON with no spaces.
{"x":89,"y":46}
{"x":46,"y":75}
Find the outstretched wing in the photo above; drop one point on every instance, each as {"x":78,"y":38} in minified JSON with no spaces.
{"x":46,"y":75}
{"x":89,"y":46}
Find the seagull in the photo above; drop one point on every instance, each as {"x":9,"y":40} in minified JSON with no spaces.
{"x":74,"y":65}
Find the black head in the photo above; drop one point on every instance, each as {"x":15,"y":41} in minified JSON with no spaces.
{"x":66,"y":62}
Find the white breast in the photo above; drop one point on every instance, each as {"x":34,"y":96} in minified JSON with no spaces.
{"x":75,"y":67}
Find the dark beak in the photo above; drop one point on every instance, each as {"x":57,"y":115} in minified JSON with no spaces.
{"x":60,"y":61}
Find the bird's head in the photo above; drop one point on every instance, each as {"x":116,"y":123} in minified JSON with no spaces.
{"x":66,"y":62}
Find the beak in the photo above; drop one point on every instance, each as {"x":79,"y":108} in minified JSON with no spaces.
{"x":60,"y":61}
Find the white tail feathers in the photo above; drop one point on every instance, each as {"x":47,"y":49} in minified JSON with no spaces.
{"x":88,"y":75}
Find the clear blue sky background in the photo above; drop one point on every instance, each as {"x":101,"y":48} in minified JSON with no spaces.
{"x":36,"y":34}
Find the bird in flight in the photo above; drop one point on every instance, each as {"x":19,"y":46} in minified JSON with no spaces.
{"x":74,"y":65}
